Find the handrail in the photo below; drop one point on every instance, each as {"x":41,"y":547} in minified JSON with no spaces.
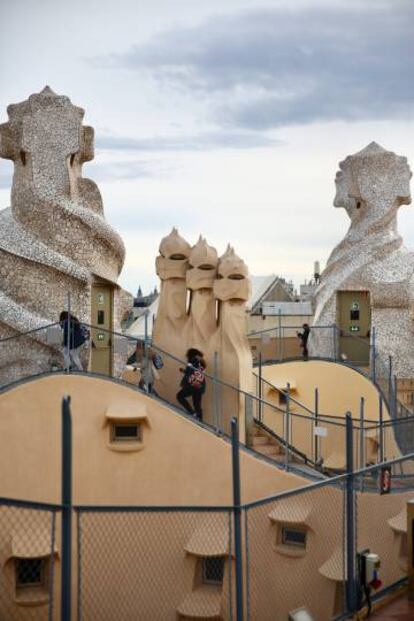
{"x":337,"y":479}
{"x":281,"y":440}
{"x":4,"y":339}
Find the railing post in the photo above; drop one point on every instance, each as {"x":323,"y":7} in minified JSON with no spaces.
{"x":146,"y":386}
{"x":237,"y":518}
{"x":145,"y":331}
{"x":381,"y":422}
{"x":395,"y":400}
{"x":66,"y":572}
{"x":68,"y":336}
{"x":362,"y":438}
{"x":287,"y":425}
{"x":390,"y":382}
{"x":280,"y":332}
{"x":316,"y":424}
{"x":373,"y":356}
{"x":260,"y":388}
{"x":216,"y":393}
{"x":351,"y":595}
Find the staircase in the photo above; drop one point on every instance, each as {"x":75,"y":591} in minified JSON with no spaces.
{"x":264,"y":444}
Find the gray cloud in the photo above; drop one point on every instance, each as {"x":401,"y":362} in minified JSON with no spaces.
{"x":198,"y":142}
{"x":276,"y":67}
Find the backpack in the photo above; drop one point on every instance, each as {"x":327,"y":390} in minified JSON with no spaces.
{"x":86,"y":335}
{"x":157,"y":361}
{"x":197,"y":378}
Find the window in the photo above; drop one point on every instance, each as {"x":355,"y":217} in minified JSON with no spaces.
{"x":294,"y":537}
{"x":101,"y":317}
{"x":354,"y":314}
{"x":126,"y":432}
{"x":30,"y":572}
{"x":213,"y":570}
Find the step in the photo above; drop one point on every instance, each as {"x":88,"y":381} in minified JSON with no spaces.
{"x":259,"y":432}
{"x":268,"y":449}
{"x":258,"y":440}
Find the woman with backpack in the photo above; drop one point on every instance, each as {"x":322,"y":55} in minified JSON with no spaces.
{"x":193,"y":383}
{"x":73,"y":339}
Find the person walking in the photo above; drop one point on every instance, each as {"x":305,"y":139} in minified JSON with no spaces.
{"x":149,"y":373}
{"x":73,"y":340}
{"x":304,"y":336}
{"x":193,"y":383}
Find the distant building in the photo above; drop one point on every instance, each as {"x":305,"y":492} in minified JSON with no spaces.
{"x":141,"y":304}
{"x":143,"y":301}
{"x":270,"y":288}
{"x":276,"y":312}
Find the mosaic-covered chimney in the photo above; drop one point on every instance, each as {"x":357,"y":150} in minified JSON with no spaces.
{"x":367,"y":287}
{"x":54,"y":239}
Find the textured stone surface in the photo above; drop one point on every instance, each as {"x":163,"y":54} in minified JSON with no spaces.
{"x":203,"y":304}
{"x":371,"y":185}
{"x":54,"y":238}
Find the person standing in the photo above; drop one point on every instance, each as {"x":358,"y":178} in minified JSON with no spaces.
{"x":193,"y":383}
{"x":73,"y":340}
{"x":304,"y":336}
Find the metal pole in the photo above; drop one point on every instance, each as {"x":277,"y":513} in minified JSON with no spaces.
{"x":147,"y":374}
{"x":334,"y":342}
{"x":260,"y":388}
{"x":280,"y":332}
{"x":362,"y":438}
{"x":351,"y":598}
{"x":374,"y":356}
{"x":390,"y":383}
{"x":381,"y":422}
{"x":145,"y":330}
{"x":66,"y":572}
{"x":287,"y":426}
{"x":237,"y":518}
{"x":395,"y":401}
{"x":316,"y":424}
{"x":215,"y":393}
{"x":68,"y":336}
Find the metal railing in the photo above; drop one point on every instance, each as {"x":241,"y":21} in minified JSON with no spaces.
{"x":294,"y":424}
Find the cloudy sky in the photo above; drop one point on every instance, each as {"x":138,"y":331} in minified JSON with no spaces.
{"x":226,"y":117}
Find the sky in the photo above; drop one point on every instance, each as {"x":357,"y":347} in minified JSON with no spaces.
{"x":225,"y":118}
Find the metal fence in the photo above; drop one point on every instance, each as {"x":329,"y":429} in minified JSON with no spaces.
{"x":257,"y":560}
{"x":29,"y":553}
{"x":155,"y":563}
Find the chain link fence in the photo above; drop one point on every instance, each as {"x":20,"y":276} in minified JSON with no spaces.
{"x":160,"y":563}
{"x":295,"y":555}
{"x":29,"y":554}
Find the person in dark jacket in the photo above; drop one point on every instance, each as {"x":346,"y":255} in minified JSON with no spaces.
{"x":304,"y":340}
{"x":193,"y":383}
{"x":73,"y":340}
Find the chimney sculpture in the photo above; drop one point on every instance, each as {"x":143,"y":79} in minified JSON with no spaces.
{"x":370,"y":261}
{"x":203,"y":305}
{"x":54,"y":239}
